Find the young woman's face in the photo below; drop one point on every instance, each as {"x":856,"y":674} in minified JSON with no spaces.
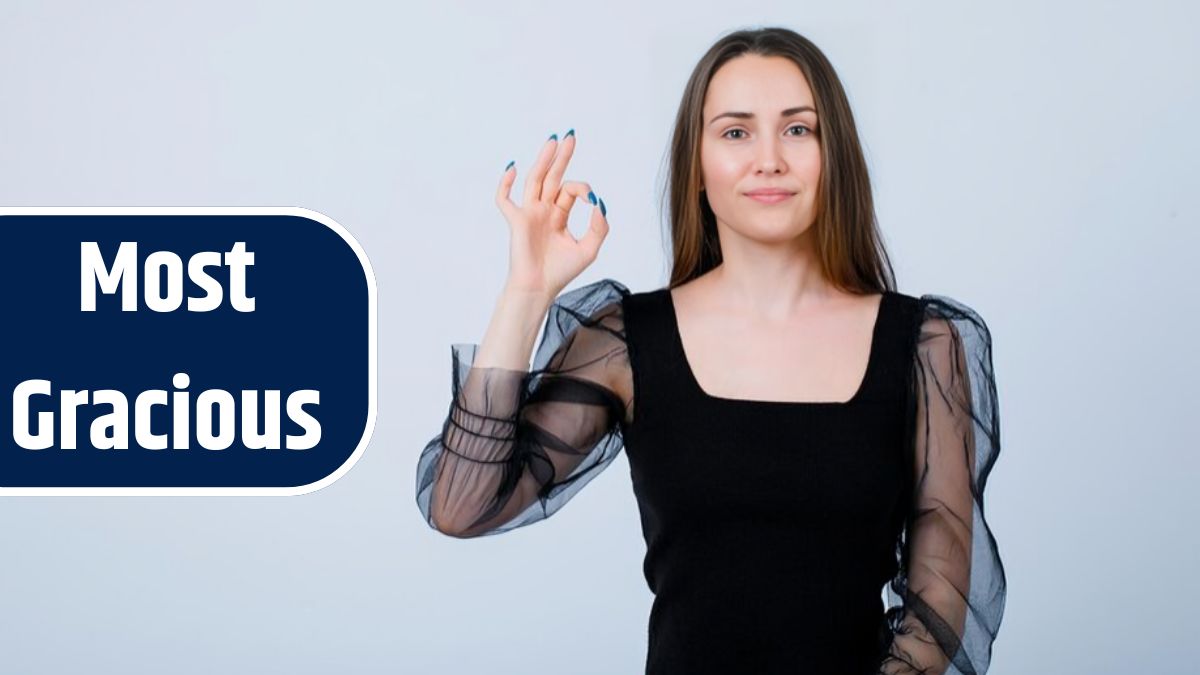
{"x":766,"y":144}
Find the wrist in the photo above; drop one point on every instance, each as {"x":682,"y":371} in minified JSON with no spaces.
{"x":526,"y":297}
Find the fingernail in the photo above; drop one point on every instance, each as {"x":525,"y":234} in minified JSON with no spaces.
{"x":510,"y":165}
{"x":553,"y":137}
{"x":603,"y":211}
{"x":570,"y":132}
{"x":592,"y":197}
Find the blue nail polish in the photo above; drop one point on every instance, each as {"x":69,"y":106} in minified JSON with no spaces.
{"x":592,"y":197}
{"x":553,"y":137}
{"x":603,"y":211}
{"x":510,"y":165}
{"x":570,"y":132}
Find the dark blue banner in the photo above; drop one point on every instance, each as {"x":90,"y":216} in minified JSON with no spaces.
{"x":183,"y":351}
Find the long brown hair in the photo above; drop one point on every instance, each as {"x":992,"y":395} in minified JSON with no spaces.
{"x":850,"y":249}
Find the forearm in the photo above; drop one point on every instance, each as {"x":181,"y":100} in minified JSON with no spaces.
{"x":513,"y":329}
{"x":481,"y":428}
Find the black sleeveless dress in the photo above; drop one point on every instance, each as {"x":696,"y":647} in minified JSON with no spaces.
{"x":770,"y":526}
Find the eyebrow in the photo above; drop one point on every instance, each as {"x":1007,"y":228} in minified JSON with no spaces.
{"x":746,"y":115}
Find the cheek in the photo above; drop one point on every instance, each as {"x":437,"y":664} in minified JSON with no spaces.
{"x":720,"y":168}
{"x":808,"y":164}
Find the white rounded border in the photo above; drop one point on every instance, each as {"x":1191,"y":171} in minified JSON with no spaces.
{"x":372,"y":361}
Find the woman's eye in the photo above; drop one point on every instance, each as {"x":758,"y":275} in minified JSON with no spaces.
{"x":796,"y":126}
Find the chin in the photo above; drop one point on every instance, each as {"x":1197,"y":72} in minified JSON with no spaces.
{"x":772,"y":235}
{"x":779,"y":228}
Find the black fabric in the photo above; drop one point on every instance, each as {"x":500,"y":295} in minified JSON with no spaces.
{"x":771,"y":527}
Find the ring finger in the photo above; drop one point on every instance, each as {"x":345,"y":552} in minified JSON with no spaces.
{"x":558,"y":167}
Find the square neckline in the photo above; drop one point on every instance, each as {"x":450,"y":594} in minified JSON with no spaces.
{"x":694,"y":384}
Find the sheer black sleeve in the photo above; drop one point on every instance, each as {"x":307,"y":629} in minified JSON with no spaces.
{"x":517,"y":445}
{"x":947,"y":599}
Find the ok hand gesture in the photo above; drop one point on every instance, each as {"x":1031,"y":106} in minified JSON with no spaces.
{"x":543,"y":254}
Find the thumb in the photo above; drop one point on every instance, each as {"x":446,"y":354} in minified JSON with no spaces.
{"x":597,"y":229}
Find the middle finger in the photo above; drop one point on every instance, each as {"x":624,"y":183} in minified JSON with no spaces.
{"x":554,"y":176}
{"x":537,"y":173}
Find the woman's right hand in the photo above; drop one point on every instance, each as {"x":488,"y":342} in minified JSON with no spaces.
{"x":543,"y":254}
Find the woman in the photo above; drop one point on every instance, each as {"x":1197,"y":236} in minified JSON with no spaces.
{"x":799,"y":433}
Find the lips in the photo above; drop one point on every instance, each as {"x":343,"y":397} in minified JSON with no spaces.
{"x":769,"y":195}
{"x":769,"y":191}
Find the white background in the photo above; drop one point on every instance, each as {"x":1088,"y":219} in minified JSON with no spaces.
{"x":1031,"y":159}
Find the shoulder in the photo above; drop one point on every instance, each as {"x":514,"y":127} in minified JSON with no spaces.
{"x":935,"y":309}
{"x":907,"y":304}
{"x":589,"y":302}
{"x":942,"y":313}
{"x":619,"y":294}
{"x":605,"y":289}
{"x":949,"y":333}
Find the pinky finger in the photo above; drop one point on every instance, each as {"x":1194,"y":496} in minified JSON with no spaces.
{"x":504,"y":190}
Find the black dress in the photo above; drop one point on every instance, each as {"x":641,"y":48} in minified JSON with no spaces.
{"x":771,"y":526}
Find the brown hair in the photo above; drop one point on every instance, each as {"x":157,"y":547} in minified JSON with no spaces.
{"x":849,"y":246}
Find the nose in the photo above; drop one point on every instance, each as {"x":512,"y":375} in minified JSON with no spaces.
{"x":769,"y":159}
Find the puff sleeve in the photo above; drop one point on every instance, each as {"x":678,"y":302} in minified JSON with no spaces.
{"x":517,"y":445}
{"x":947,"y":599}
